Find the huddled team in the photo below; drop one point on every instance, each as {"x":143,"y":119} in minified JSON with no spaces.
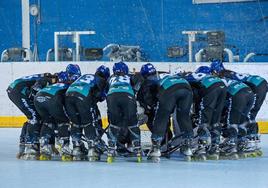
{"x":214,"y":112}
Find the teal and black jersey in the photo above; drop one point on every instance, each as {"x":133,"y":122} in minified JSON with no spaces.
{"x":209,"y":80}
{"x":120,"y":84}
{"x":83,"y":85}
{"x":234,"y":86}
{"x":26,"y":80}
{"x":89,"y":86}
{"x":24,"y":84}
{"x":55,"y":89}
{"x":167,"y":80}
{"x":204,"y":80}
{"x":246,"y":78}
{"x":255,"y":80}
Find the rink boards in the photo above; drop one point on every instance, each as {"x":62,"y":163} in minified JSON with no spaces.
{"x":17,"y":121}
{"x":10,"y":116}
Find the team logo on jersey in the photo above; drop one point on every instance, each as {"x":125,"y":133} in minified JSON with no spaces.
{"x":41,"y":99}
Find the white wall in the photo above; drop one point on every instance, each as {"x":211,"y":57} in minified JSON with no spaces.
{"x":12,"y":71}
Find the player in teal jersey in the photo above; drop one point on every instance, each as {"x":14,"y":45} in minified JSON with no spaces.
{"x":259,"y":87}
{"x":122,"y":107}
{"x":81,"y":106}
{"x":49,"y":103}
{"x":173,"y":93}
{"x":209,"y":98}
{"x":21,"y":94}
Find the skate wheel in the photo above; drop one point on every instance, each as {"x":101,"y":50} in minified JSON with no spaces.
{"x":44,"y":158}
{"x":139,"y":159}
{"x":92,"y":159}
{"x":19,"y":155}
{"x":259,"y":153}
{"x":202,"y":158}
{"x":199,"y":158}
{"x":110,"y":159}
{"x":66,"y":158}
{"x":254,"y":154}
{"x":242,"y":155}
{"x":156,"y":159}
{"x":213,"y":157}
{"x":234,"y":157}
{"x":188,"y":158}
{"x":28,"y":157}
{"x":251,"y":154}
{"x":77,"y":159}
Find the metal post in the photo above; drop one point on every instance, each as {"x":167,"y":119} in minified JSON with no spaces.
{"x":56,"y":46}
{"x":77,"y":43}
{"x":25,"y":24}
{"x":191,"y":39}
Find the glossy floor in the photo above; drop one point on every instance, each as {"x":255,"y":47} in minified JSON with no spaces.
{"x":246,"y":173}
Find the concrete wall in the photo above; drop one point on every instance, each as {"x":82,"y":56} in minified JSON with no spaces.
{"x":12,"y":71}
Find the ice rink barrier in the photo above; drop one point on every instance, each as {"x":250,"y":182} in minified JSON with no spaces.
{"x":10,"y":116}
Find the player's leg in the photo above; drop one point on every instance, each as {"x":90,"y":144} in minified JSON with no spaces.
{"x":215,"y":127}
{"x":93,"y":132}
{"x":228,"y":149}
{"x":244,"y":145}
{"x":63,"y":124}
{"x":115,"y":117}
{"x":165,"y":107}
{"x":260,"y":95}
{"x":129,"y":107}
{"x":22,"y":141}
{"x":184,"y":100}
{"x":31,"y":129}
{"x":47,"y":135}
{"x":79,"y":150}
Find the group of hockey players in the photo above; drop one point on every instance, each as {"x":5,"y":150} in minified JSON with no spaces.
{"x":214,"y":113}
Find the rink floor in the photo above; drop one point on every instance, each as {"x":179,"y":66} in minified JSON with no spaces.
{"x":246,"y":173}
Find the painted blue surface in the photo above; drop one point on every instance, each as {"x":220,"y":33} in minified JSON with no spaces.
{"x":246,"y":173}
{"x":152,"y":24}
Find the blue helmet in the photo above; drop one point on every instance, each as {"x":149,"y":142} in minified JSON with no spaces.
{"x":217,"y":66}
{"x":103,"y":71}
{"x":120,"y":67}
{"x":203,"y":69}
{"x":147,"y":70}
{"x":72,"y":69}
{"x":63,"y":77}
